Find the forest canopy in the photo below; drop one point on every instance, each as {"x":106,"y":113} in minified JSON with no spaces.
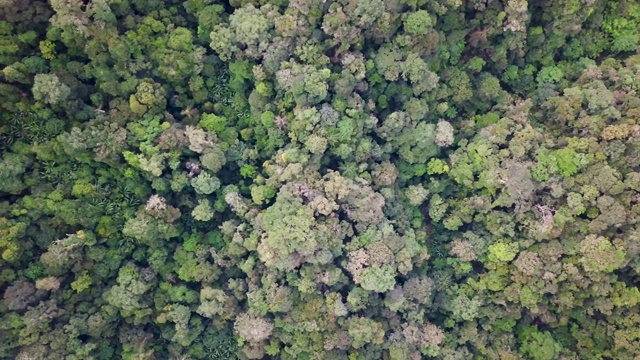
{"x":319,"y":179}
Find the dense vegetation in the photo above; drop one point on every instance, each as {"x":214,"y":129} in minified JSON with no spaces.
{"x":319,"y":179}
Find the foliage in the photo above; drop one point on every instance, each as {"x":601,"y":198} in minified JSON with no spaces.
{"x":319,"y":179}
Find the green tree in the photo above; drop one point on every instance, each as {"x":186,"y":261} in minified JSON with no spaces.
{"x":418,"y":23}
{"x":49,"y":89}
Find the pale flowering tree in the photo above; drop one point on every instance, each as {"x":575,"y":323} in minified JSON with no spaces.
{"x":255,"y":330}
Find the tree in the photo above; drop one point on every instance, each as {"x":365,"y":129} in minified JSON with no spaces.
{"x":203,"y":211}
{"x":205,"y":184}
{"x":253,"y":328}
{"x":598,"y":254}
{"x":418,"y":23}
{"x":49,"y":88}
{"x":538,"y":345}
